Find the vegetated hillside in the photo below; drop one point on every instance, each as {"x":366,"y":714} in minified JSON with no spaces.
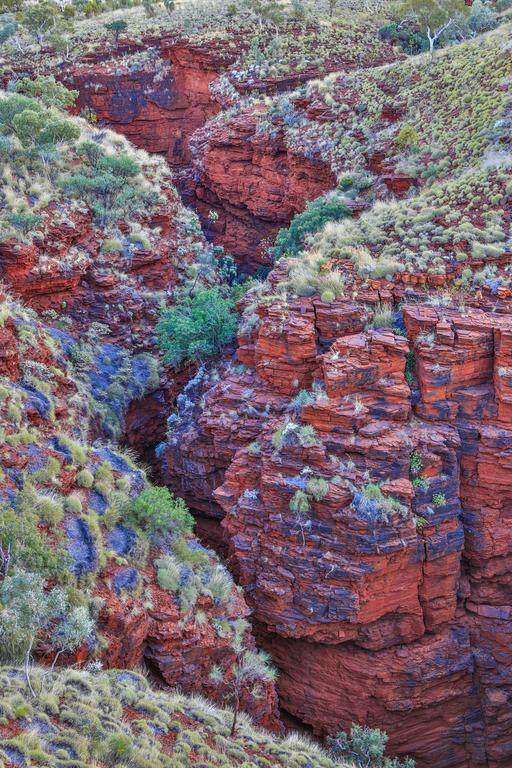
{"x":83,"y":718}
{"x":90,"y":227}
{"x":164,"y":77}
{"x":108,"y":560}
{"x":454,"y":235}
{"x":357,"y":451}
{"x":374,"y":131}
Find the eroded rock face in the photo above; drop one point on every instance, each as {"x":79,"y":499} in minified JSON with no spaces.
{"x":67,"y":271}
{"x":157,"y":103}
{"x":250,"y":180}
{"x":254,"y":183}
{"x":393,"y":613}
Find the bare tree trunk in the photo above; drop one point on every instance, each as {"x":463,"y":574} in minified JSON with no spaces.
{"x":235,"y":716}
{"x":55,"y":659}
{"x":27,"y":667}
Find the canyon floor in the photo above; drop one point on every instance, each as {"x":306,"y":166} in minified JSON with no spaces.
{"x":255,"y":386}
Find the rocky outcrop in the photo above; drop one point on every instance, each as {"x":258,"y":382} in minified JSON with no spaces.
{"x":250,"y":181}
{"x":156,"y":94}
{"x":241,"y":177}
{"x":253,"y":183}
{"x":362,"y":516}
{"x":67,"y":271}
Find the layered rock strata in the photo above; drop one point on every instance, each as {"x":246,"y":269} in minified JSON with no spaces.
{"x":363,"y":518}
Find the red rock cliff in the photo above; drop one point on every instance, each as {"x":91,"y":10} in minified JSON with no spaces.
{"x":392,"y":613}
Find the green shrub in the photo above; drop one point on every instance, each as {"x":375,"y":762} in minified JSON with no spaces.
{"x":110,"y":184}
{"x":318,"y":212}
{"x":111,"y":245}
{"x":415,"y":462}
{"x":407,"y":136}
{"x":317,"y":487}
{"x":120,"y":746}
{"x":51,"y":510}
{"x":196,"y":328}
{"x":383,"y":316}
{"x":302,"y":398}
{"x":48,"y":90}
{"x":327,"y":296}
{"x":299,"y":503}
{"x":73,"y":505}
{"x":157,"y":509}
{"x":438,"y":499}
{"x":24,"y":221}
{"x":364,"y":747}
{"x":30,"y":548}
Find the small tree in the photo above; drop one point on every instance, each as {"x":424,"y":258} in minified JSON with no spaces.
{"x":8,"y":27}
{"x":365,"y":747}
{"x":157,"y":509}
{"x":326,"y":208}
{"x":149,"y":9}
{"x":170,"y":6}
{"x":267,"y":10}
{"x":197,"y":327}
{"x":107,"y":185}
{"x":251,"y":672}
{"x":39,"y":19}
{"x":116,"y":27}
{"x":48,"y":90}
{"x":433,"y":16}
{"x":70,"y":633}
{"x":332,"y":4}
{"x":28,"y":608}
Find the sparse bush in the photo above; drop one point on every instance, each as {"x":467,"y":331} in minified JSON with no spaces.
{"x":85,"y":478}
{"x":48,"y":90}
{"x":365,"y":747}
{"x":407,"y":136}
{"x":299,"y":503}
{"x":317,"y":487}
{"x":73,"y":505}
{"x":383,"y":316}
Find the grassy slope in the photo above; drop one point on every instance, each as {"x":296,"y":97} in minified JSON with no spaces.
{"x":459,"y":227}
{"x":82,"y":719}
{"x":450,"y":101}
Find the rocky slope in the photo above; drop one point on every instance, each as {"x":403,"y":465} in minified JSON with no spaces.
{"x":92,"y":262}
{"x":245,"y":184}
{"x":74,"y":512}
{"x":382,"y":129}
{"x":357,"y":451}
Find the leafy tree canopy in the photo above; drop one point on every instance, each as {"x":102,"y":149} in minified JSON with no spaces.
{"x":48,"y":90}
{"x":433,"y":16}
{"x":157,"y":509}
{"x":197,"y":327}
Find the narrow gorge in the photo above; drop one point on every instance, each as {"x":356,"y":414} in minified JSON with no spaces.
{"x":349,"y":455}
